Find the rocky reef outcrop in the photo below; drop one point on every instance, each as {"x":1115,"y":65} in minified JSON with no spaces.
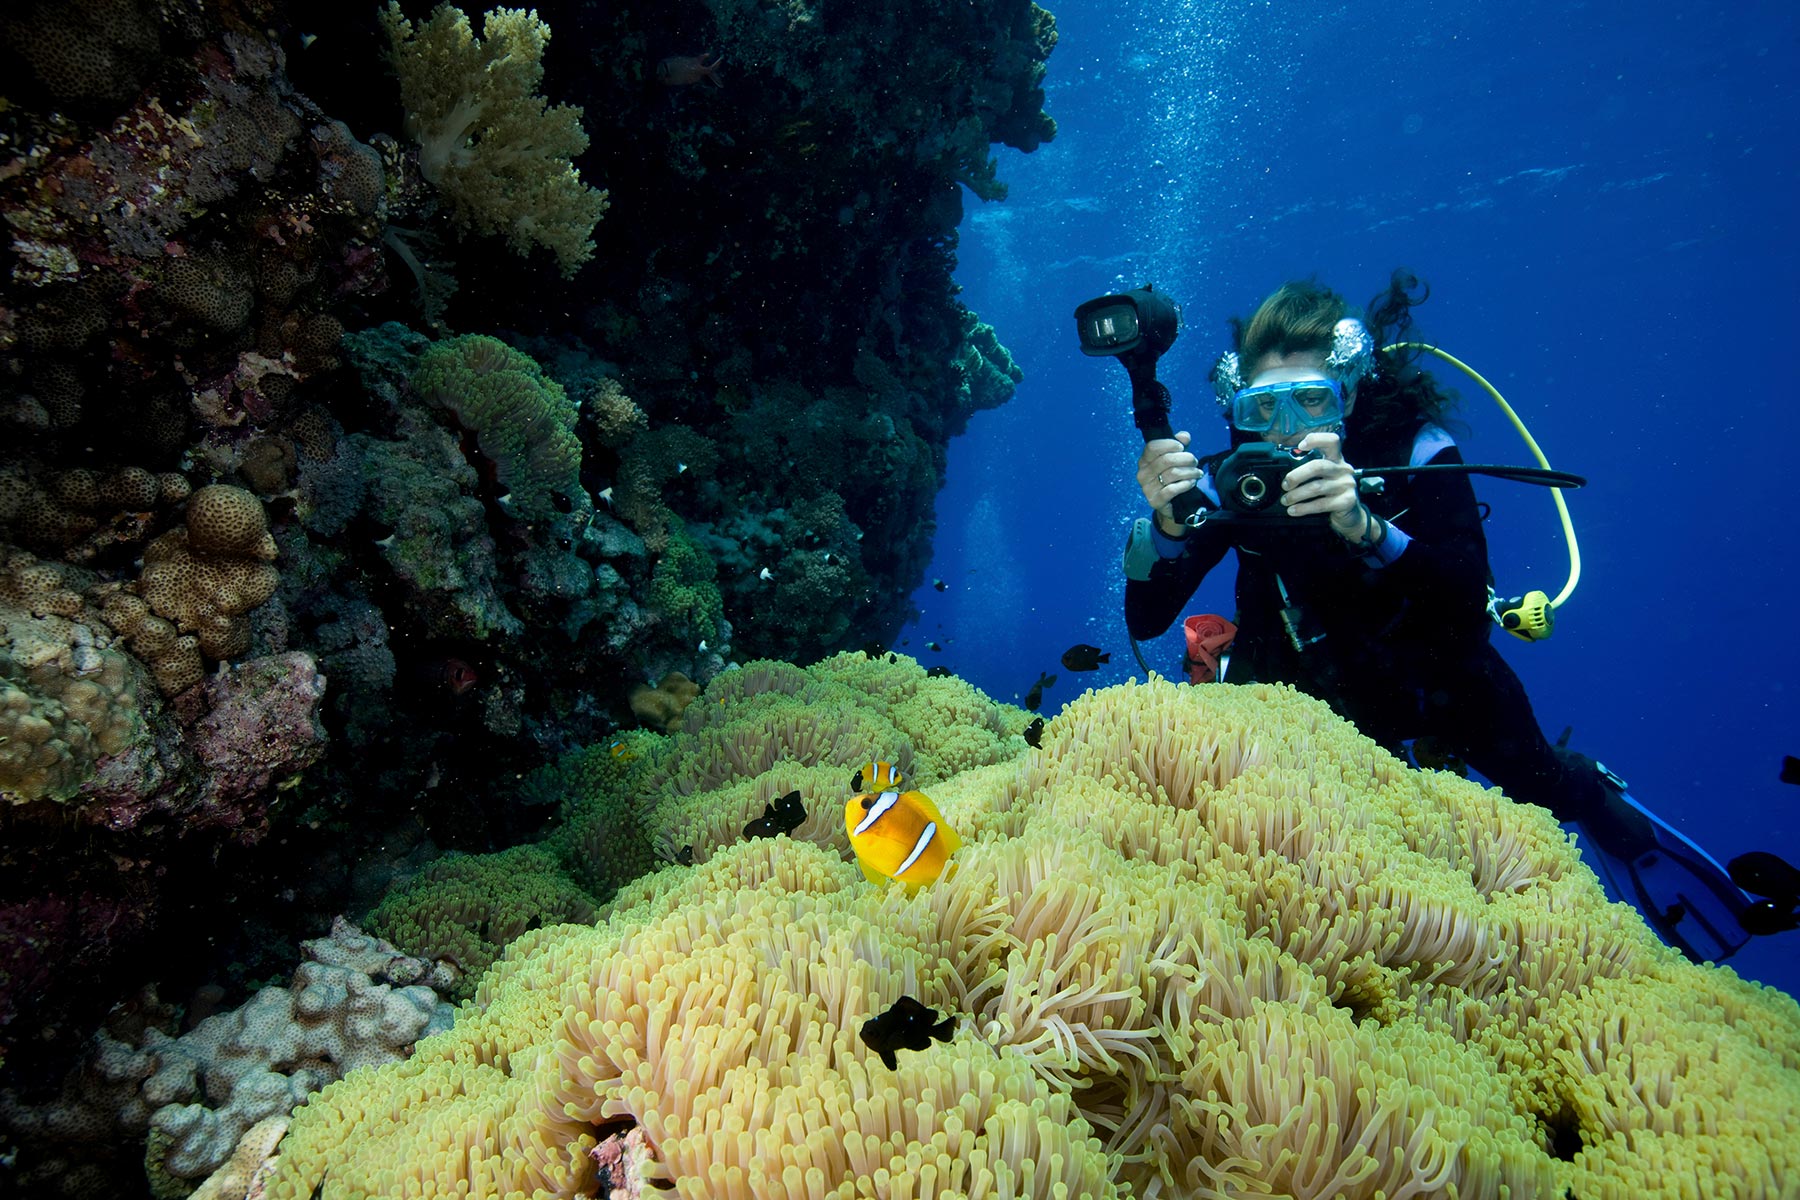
{"x":372,"y":433}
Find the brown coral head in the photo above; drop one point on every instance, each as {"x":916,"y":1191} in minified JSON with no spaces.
{"x":662,"y":706}
{"x":228,"y":521}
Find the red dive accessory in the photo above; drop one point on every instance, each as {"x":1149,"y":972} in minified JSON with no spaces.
{"x":1208,"y":636}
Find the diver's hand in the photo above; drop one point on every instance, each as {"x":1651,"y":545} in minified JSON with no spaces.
{"x":1165,"y":470}
{"x":1326,"y":485}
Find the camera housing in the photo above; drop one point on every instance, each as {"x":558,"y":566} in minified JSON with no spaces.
{"x":1250,"y":477}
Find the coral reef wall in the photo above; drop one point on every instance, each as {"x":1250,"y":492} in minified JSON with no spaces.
{"x":386,"y":394}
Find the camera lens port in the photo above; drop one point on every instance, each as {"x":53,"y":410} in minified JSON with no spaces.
{"x":1252,"y":490}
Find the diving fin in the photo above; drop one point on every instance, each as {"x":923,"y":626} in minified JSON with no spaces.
{"x":1683,"y":892}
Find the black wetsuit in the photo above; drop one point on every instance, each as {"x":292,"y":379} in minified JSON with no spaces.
{"x":1405,"y":648}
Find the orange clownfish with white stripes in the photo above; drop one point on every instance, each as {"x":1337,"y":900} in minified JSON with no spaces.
{"x":899,"y":835}
{"x":876,"y":776}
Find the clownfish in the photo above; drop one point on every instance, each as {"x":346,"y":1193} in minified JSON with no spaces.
{"x":899,"y":835}
{"x":876,"y":777}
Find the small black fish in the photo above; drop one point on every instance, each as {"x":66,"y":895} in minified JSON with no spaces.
{"x":1083,"y":657}
{"x":893,"y":658}
{"x":685,"y":856}
{"x":937,"y":672}
{"x":1034,"y":732}
{"x":783,"y":816}
{"x":934,"y":646}
{"x":1769,"y":916}
{"x":940,"y":585}
{"x":874,"y":649}
{"x":1790,"y":769}
{"x":1763,"y":874}
{"x":908,"y":1025}
{"x":1035,"y":696}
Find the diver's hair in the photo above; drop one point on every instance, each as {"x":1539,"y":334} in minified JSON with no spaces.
{"x":1297,"y":317}
{"x":1399,"y":397}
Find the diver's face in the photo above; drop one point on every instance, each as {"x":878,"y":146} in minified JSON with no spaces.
{"x":1292,"y":368}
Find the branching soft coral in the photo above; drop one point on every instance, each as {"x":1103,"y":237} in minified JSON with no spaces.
{"x":496,"y":150}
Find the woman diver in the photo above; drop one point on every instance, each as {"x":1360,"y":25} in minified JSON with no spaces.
{"x":1379,"y":603}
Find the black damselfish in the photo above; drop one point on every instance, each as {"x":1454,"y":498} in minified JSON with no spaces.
{"x":1763,"y":874}
{"x":1774,"y":878}
{"x":783,"y":816}
{"x":1083,"y":657}
{"x":1034,"y":732}
{"x":937,"y":672}
{"x":1035,"y":696}
{"x":1790,"y":769}
{"x":908,"y":1025}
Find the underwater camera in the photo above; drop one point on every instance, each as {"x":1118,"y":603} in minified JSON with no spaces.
{"x":1249,"y":479}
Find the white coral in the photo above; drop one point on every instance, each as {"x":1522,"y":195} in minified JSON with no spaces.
{"x":197,"y":1094}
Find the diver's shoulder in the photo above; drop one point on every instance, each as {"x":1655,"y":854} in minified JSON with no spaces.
{"x":1431,"y":441}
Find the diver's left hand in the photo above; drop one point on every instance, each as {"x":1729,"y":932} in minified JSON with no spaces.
{"x":1325,"y":485}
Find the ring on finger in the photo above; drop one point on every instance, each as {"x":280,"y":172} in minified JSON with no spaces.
{"x":1159,"y":477}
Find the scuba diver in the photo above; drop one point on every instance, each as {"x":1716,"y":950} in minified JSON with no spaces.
{"x":1374,"y":594}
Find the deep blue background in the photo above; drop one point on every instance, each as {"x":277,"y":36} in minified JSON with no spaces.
{"x":1602,"y":198}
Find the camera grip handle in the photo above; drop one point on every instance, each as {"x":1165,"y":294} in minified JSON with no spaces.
{"x":1154,"y":425}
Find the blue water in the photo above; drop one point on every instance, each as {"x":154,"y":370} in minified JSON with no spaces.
{"x":1602,"y":200}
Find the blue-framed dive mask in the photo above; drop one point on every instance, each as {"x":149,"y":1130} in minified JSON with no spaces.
{"x":1289,"y":407}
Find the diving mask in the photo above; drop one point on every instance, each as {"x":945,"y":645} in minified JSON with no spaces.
{"x":1292,"y":406}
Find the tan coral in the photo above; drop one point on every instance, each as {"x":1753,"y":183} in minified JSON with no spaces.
{"x":206,"y":575}
{"x":228,"y":521}
{"x":661,"y":707}
{"x":173,"y":657}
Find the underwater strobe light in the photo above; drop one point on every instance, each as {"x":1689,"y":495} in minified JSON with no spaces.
{"x":1137,"y":328}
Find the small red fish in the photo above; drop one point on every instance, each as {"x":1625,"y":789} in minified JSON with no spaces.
{"x":680,"y":70}
{"x":457,"y":676}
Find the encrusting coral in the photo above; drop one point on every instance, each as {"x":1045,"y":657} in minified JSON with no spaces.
{"x":662,"y":707}
{"x":495,"y":149}
{"x":1202,"y":942}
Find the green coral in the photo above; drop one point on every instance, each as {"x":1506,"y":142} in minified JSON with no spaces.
{"x":602,"y":840}
{"x":496,"y":150}
{"x":682,"y":587}
{"x":467,"y":907}
{"x":523,"y":420}
{"x":988,"y":371}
